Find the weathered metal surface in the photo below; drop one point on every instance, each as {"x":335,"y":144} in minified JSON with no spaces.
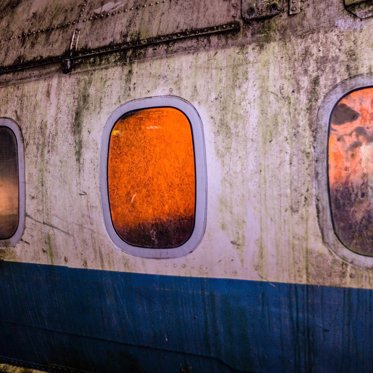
{"x":259,"y":117}
{"x":360,"y":8}
{"x":67,"y":60}
{"x":131,"y":21}
{"x":101,"y":321}
{"x":91,"y":28}
{"x":33,"y":29}
{"x":258,"y":93}
{"x":258,"y":9}
{"x":295,"y":6}
{"x":72,"y":56}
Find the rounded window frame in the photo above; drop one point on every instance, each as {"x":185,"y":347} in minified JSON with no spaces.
{"x":328,"y":104}
{"x":14,"y":127}
{"x":200,"y":176}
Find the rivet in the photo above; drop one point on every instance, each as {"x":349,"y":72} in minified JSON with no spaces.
{"x":251,"y":11}
{"x":273,"y":7}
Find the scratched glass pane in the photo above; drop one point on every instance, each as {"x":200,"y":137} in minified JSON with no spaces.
{"x":351,"y":170}
{"x":151,"y":178}
{"x":8,"y":183}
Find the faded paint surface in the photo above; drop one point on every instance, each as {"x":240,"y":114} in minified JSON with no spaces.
{"x":133,"y":20}
{"x":38,"y":30}
{"x":104,"y":321}
{"x":26,"y":28}
{"x":257,"y":93}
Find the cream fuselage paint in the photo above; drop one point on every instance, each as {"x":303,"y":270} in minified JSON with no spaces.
{"x":258,"y":100}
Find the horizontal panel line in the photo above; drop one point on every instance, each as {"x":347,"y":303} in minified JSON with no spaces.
{"x":90,"y":53}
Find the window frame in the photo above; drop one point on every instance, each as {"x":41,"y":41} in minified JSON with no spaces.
{"x":200,"y":175}
{"x":323,"y":201}
{"x":13,"y":126}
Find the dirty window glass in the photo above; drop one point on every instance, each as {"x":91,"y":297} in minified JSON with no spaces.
{"x":151,"y":178}
{"x":9,"y":190}
{"x":351,"y":170}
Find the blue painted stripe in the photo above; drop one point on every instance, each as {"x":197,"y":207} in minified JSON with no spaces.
{"x":119,"y":322}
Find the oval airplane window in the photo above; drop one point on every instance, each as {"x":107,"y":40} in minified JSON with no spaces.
{"x":11,"y":183}
{"x":350,"y":170}
{"x":151,"y":178}
{"x":154,"y":177}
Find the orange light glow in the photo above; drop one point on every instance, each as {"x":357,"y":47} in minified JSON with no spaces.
{"x":348,"y":141}
{"x":9,"y":192}
{"x":351,"y":170}
{"x":151,"y":178}
{"x":8,"y":208}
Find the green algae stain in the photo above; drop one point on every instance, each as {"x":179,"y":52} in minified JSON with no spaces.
{"x":230,"y":144}
{"x":81,"y":108}
{"x":48,"y":248}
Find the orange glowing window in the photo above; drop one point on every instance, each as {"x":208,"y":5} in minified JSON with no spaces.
{"x":151,"y":178}
{"x":9,"y":183}
{"x":350,"y":156}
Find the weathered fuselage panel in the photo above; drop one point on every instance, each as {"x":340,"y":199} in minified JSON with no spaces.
{"x":263,"y":291}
